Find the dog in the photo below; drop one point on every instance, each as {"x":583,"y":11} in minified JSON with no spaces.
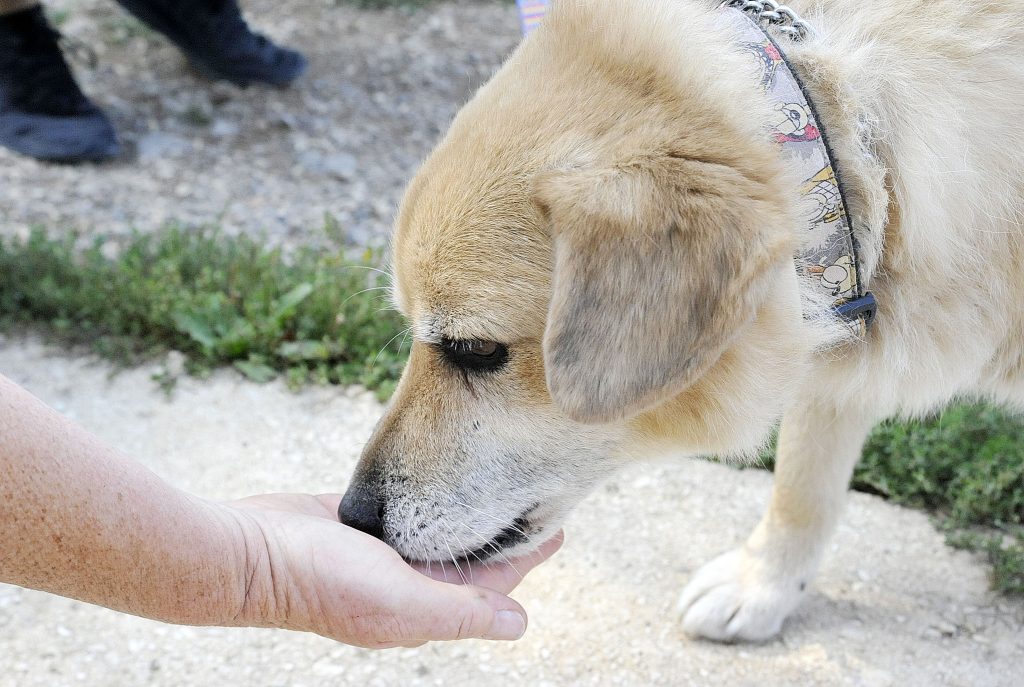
{"x":605,"y":259}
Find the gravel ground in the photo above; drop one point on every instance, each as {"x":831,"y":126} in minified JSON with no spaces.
{"x":894,"y":605}
{"x":342,"y":142}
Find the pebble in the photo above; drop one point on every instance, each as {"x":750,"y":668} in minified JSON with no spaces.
{"x":341,"y":165}
{"x":160,"y":145}
{"x":222,"y":128}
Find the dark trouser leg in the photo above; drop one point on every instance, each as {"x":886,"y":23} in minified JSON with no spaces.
{"x":12,"y":6}
{"x":218,"y":41}
{"x":43,"y":112}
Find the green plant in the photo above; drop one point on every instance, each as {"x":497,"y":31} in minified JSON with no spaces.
{"x":314,"y":316}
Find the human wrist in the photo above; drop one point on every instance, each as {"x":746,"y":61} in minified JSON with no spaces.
{"x":215,"y":570}
{"x":256,"y":599}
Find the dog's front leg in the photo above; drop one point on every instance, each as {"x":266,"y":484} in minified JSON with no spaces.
{"x":747,"y":593}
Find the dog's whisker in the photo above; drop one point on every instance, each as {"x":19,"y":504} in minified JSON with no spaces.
{"x":494,"y":549}
{"x":508,"y":561}
{"x":462,"y":546}
{"x":404,"y":339}
{"x":368,"y":268}
{"x":502,"y":523}
{"x":359,"y":293}
{"x":451,"y":555}
{"x":455,"y":561}
{"x":385,"y":347}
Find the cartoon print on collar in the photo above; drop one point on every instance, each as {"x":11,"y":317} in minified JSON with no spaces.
{"x":828,"y":252}
{"x":838,"y":276}
{"x":793,"y":124}
{"x":769,"y":59}
{"x":824,"y":190}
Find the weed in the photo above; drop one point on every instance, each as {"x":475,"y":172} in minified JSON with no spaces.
{"x":314,"y":316}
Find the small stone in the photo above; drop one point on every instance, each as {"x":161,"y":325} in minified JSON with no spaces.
{"x":222,"y":128}
{"x":341,"y":166}
{"x":876,"y":678}
{"x":852,"y":632}
{"x":157,"y":144}
{"x":174,"y":363}
{"x":327,"y":668}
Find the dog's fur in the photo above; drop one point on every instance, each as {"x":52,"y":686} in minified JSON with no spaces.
{"x":609,"y":207}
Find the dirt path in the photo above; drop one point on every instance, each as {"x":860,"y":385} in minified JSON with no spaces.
{"x":894,"y":605}
{"x":341,"y":143}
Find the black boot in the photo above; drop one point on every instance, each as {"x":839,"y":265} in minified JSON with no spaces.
{"x":43,"y":112}
{"x":216,"y":39}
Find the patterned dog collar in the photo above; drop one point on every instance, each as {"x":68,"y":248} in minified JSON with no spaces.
{"x":829,"y":256}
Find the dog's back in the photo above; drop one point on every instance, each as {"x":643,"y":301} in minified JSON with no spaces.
{"x":933,"y":97}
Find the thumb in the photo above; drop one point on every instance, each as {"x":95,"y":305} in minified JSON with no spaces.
{"x":448,"y":612}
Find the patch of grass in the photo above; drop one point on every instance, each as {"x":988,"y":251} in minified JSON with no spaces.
{"x":313,"y":317}
{"x":964,"y":465}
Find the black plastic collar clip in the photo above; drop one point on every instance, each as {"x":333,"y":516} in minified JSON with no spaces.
{"x":863,"y":308}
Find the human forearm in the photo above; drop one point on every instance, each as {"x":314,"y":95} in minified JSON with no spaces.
{"x":77,"y":519}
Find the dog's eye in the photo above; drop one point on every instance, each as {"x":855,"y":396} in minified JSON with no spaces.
{"x":474,"y":354}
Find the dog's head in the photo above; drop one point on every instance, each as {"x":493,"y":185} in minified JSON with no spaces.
{"x":596,"y":260}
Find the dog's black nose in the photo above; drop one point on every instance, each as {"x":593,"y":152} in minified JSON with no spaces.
{"x":363,"y":508}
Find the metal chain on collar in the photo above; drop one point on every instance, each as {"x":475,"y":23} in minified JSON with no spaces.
{"x":771,"y":13}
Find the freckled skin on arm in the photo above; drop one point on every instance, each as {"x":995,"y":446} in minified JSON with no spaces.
{"x":77,"y":519}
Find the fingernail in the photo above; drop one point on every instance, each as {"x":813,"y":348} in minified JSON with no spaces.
{"x":507,"y":625}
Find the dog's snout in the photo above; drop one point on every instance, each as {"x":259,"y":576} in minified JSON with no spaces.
{"x":363,"y":508}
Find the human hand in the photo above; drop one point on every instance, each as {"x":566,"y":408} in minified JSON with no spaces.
{"x":306,"y":571}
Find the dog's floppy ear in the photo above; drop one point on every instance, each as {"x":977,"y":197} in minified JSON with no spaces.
{"x":658,"y":264}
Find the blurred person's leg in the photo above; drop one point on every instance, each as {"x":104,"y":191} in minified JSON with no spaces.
{"x":217,"y":40}
{"x":12,"y":6}
{"x":43,"y":112}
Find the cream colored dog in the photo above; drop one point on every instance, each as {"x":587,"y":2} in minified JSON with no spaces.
{"x":597,"y":264}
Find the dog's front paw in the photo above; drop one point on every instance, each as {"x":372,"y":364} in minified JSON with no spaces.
{"x":738,"y":597}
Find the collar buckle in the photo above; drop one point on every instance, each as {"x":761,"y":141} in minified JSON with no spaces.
{"x":859,"y":309}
